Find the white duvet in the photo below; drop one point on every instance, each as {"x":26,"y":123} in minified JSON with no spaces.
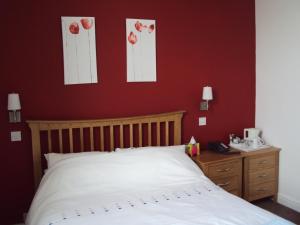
{"x":146,"y":187}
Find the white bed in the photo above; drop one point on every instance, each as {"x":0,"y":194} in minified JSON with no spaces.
{"x":156,"y":186}
{"x":145,"y":186}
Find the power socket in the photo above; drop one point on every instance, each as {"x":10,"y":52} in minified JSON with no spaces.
{"x":202,"y":121}
{"x":15,"y":136}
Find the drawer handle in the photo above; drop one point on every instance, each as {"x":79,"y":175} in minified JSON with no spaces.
{"x":261,"y":189}
{"x":263,"y":162}
{"x":224,"y":170}
{"x":224,"y":184}
{"x":262,"y":175}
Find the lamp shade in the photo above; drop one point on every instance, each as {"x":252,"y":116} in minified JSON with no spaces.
{"x":207,"y":93}
{"x":13,"y":102}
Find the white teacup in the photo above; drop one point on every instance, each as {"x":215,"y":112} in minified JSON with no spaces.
{"x":257,"y":142}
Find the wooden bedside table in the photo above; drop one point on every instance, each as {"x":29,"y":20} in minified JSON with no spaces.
{"x":224,"y":170}
{"x":261,"y":174}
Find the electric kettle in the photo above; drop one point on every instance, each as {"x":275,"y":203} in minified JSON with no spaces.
{"x":251,"y":136}
{"x":251,"y":133}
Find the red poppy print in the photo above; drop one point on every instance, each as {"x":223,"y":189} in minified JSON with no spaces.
{"x":132,"y":38}
{"x":151,"y":28}
{"x":140,"y":39}
{"x":86,"y":23}
{"x":80,"y":64}
{"x":139,"y":26}
{"x":74,"y":28}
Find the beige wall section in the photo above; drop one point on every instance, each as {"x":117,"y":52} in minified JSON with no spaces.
{"x":278,"y":88}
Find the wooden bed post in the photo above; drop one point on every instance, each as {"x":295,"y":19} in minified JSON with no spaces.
{"x":177,"y":128}
{"x":36,"y":153}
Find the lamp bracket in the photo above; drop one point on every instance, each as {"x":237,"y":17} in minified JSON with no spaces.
{"x":204,"y":105}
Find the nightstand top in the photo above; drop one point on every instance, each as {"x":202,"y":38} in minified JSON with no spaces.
{"x":261,"y":151}
{"x":207,"y":156}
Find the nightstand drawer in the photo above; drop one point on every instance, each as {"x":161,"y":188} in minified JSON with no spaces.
{"x":227,"y":183}
{"x":224,"y":169}
{"x":264,"y":162}
{"x":262,"y":176}
{"x":262,"y":190}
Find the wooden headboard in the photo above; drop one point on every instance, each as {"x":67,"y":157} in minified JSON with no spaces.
{"x":102,"y":135}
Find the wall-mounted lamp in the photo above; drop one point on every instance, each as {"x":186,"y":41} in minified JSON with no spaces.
{"x":206,"y":95}
{"x":14,"y":107}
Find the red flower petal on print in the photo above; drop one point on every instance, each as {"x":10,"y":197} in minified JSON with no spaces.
{"x":74,"y":28}
{"x":151,"y":28}
{"x":139,"y":26}
{"x":86,"y":23}
{"x":132,"y":38}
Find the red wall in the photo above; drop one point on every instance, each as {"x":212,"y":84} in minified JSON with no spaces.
{"x":199,"y":43}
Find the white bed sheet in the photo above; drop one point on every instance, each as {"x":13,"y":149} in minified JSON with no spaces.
{"x":157,"y":187}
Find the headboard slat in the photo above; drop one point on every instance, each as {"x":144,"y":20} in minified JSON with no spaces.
{"x":140,"y":135}
{"x":167,"y":132}
{"x":102,"y":138}
{"x":158,"y":133}
{"x":149,"y":134}
{"x":49,"y":141}
{"x":71,"y":139}
{"x":81,"y":139}
{"x":71,"y":126}
{"x":131,"y":134}
{"x":111,"y":131}
{"x":121,"y":136}
{"x":61,"y":149}
{"x":92,"y":139}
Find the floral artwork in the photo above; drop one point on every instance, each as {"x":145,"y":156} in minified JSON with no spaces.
{"x":141,"y":50}
{"x":79,"y":46}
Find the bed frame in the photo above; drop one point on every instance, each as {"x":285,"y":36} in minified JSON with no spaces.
{"x":102,"y":135}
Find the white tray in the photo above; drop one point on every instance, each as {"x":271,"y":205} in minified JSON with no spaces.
{"x":246,"y":148}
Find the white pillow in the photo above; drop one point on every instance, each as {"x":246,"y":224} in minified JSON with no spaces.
{"x":180,"y":148}
{"x":113,"y":173}
{"x":53,"y":158}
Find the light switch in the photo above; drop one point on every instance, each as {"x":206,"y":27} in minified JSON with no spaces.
{"x":202,"y":121}
{"x":15,"y":136}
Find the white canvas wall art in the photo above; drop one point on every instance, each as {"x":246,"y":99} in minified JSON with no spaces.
{"x":141,"y":50}
{"x":79,"y":47}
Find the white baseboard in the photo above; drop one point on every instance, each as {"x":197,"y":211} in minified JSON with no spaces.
{"x":289,"y":202}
